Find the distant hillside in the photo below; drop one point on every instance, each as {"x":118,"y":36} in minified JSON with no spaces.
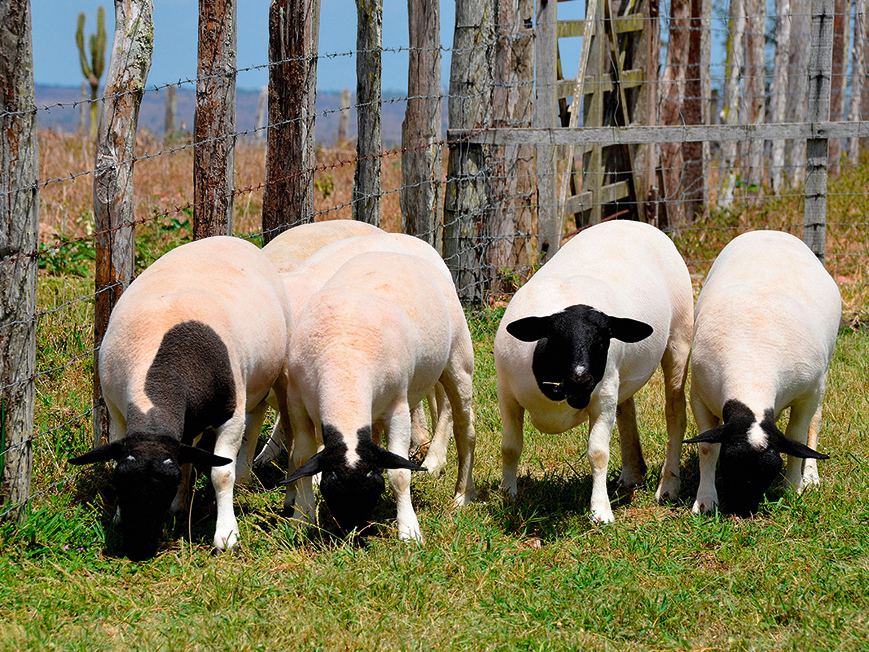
{"x":152,"y":112}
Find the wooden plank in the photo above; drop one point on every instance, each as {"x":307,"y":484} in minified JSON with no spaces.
{"x":19,"y":226}
{"x":608,"y":193}
{"x":622,"y":24}
{"x":820,"y":68}
{"x":369,"y":147}
{"x":288,"y":197}
{"x":636,"y":134}
{"x":214,"y":120}
{"x":548,"y":223}
{"x":114,"y":216}
{"x":632,"y":79}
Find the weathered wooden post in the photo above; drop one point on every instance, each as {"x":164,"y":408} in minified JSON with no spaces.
{"x":801,"y":32}
{"x":261,"y":119}
{"x":19,"y":226}
{"x":511,"y":184}
{"x":170,"y":119}
{"x":858,"y":76}
{"x":288,"y":197}
{"x":466,"y":201}
{"x":839,"y":76}
{"x":214,"y":121}
{"x":820,"y":66}
{"x":753,"y":92}
{"x":369,"y":149}
{"x":129,"y":64}
{"x":730,"y":148}
{"x":344,"y":116}
{"x":778,"y":89}
{"x":546,"y":117}
{"x":421,"y":166}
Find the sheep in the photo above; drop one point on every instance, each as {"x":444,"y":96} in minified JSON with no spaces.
{"x":765,"y":328}
{"x":291,"y":248}
{"x":310,"y":276}
{"x":583,"y":336}
{"x":195,"y":343}
{"x":366,"y":349}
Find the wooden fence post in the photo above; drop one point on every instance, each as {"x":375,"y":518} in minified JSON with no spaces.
{"x":344,"y":117}
{"x":170,"y":116}
{"x":511,"y":183}
{"x":466,"y":201}
{"x":214,"y":120}
{"x":130,"y":61}
{"x":421,"y":162}
{"x":366,"y":180}
{"x":288,"y":197}
{"x":820,"y":67}
{"x":19,"y":225}
{"x":546,"y":117}
{"x":778,"y":90}
{"x":797,"y":86}
{"x":753,"y":92}
{"x":858,"y":76}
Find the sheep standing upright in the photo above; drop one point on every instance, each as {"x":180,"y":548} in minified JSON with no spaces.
{"x":196,"y":342}
{"x":583,"y":336}
{"x":765,"y":328}
{"x":383,"y":330}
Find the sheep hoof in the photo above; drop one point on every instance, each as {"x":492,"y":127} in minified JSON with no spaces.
{"x":668,"y":490}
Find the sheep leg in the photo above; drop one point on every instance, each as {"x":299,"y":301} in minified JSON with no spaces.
{"x":302,"y":494}
{"x":602,"y":417}
{"x":512,"y":416}
{"x":273,"y":446}
{"x":229,"y":440}
{"x":800,"y":425}
{"x":674,"y":364}
{"x":399,"y":443}
{"x":810,"y":465}
{"x":436,"y":457}
{"x":418,"y":428}
{"x":707,"y":494}
{"x":633,"y":465}
{"x":252,"y":429}
{"x":457,"y":383}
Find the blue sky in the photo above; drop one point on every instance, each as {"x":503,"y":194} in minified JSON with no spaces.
{"x":56,"y":57}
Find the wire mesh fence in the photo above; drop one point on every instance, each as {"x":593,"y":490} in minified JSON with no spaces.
{"x":747,"y":171}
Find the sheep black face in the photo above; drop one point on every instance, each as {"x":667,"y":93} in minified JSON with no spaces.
{"x":147,"y":478}
{"x":572,"y":345}
{"x":351,"y":490}
{"x":750,"y":457}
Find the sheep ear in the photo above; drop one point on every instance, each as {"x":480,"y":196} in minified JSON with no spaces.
{"x":529,"y":329}
{"x":629,"y":330}
{"x":389,"y":460}
{"x":313,"y":466}
{"x":714,"y":436}
{"x":201,"y":459}
{"x":784,"y":444}
{"x":104,"y":453}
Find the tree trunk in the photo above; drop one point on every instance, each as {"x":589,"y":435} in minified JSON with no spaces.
{"x":841,"y":36}
{"x":858,"y":75}
{"x":798,"y":62}
{"x":19,"y":226}
{"x":288,"y":197}
{"x":421,"y":163}
{"x":753,"y":92}
{"x":511,"y":184}
{"x":114,"y":217}
{"x":466,"y":203}
{"x":369,"y":150}
{"x":735,"y":48}
{"x":214,"y":121}
{"x":779,"y":89}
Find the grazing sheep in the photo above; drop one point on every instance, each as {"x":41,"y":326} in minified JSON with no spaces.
{"x":367,"y":348}
{"x":294,"y":246}
{"x":765,"y":329}
{"x":312,"y":274}
{"x":583,"y":336}
{"x":195,"y":343}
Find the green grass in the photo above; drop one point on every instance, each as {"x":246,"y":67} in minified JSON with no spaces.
{"x":531,"y":575}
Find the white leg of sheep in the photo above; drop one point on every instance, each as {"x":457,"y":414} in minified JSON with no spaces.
{"x":252,"y":429}
{"x":810,"y":465}
{"x":707,"y":494}
{"x":633,"y":464}
{"x":802,"y":417}
{"x":457,"y":383}
{"x":302,"y":498}
{"x":512,"y":416}
{"x":602,"y":417}
{"x":398,"y":440}
{"x":229,"y":439}
{"x":436,"y":457}
{"x":675,"y":367}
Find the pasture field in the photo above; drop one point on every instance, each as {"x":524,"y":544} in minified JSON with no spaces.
{"x":534,"y":574}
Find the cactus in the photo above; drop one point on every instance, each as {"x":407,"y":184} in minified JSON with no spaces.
{"x":92,"y":69}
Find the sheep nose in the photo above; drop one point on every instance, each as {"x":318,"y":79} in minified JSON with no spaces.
{"x":583,"y":379}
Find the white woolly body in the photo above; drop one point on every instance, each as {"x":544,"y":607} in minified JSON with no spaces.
{"x":232,"y":287}
{"x":765,"y":329}
{"x":624,"y":269}
{"x":292,"y":247}
{"x":367,"y":348}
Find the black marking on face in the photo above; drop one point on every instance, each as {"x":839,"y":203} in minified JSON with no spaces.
{"x":351,"y":492}
{"x":745,"y":470}
{"x":190,"y":382}
{"x":572,"y":345}
{"x":146,"y":479}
